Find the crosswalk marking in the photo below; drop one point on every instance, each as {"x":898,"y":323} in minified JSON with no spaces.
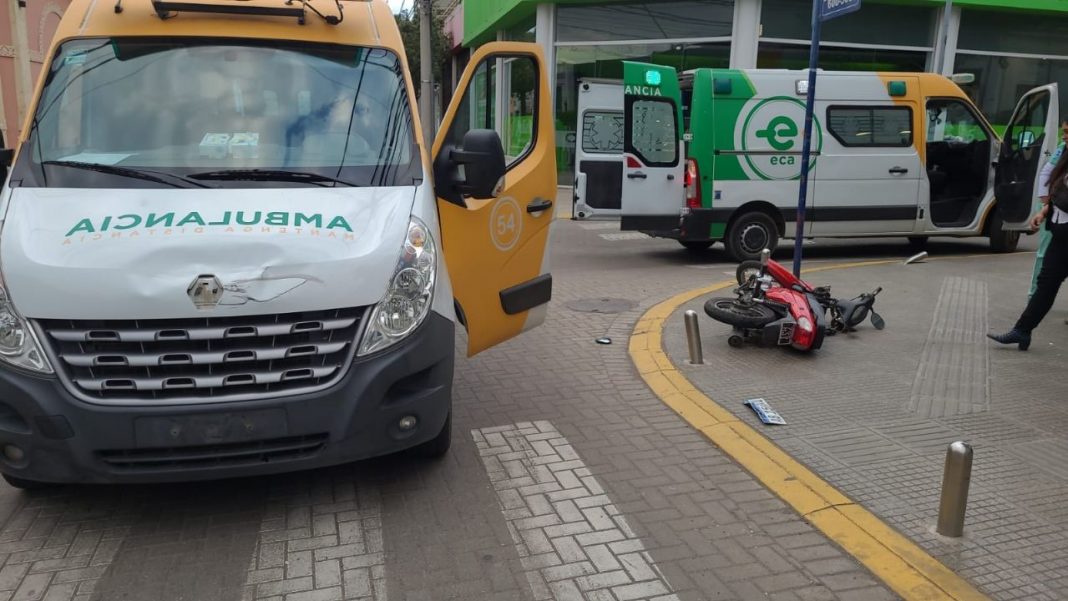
{"x":572,"y":541}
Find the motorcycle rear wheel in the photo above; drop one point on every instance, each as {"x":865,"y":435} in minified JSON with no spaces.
{"x":742,"y":315}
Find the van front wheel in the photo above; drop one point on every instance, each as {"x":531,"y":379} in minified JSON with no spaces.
{"x":749,"y":234}
{"x":1001,"y":241}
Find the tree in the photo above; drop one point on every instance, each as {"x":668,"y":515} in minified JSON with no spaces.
{"x":440,"y":43}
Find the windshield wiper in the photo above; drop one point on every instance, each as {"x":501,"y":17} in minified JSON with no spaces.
{"x":270,"y":175}
{"x":159,"y":177}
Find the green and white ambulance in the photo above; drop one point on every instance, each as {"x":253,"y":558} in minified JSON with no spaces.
{"x":715,"y":155}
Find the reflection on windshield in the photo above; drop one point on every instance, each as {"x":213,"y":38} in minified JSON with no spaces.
{"x":191,"y":106}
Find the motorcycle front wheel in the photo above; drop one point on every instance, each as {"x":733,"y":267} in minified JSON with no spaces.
{"x":746,"y":270}
{"x":742,"y":315}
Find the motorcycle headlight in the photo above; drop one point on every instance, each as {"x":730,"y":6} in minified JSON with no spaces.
{"x":18,"y":343}
{"x":407,"y":301}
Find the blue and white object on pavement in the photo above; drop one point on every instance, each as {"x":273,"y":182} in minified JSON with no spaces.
{"x":765,"y":412}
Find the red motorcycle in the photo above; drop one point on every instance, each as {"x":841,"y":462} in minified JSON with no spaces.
{"x":775,"y":308}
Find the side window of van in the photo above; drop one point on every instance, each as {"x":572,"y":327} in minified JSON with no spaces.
{"x":654,"y":131}
{"x":502,"y":96}
{"x":602,"y":132}
{"x":952,"y":121}
{"x":871,"y":126}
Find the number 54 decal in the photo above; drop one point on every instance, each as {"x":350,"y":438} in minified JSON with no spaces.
{"x":506,"y":224}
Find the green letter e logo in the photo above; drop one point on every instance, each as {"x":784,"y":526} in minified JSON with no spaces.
{"x":778,"y":128}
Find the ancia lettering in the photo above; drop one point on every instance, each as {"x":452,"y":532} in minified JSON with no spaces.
{"x":130,"y":221}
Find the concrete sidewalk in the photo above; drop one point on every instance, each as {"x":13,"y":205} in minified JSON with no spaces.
{"x":872,"y":412}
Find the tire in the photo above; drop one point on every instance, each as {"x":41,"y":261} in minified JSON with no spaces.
{"x":736,"y":341}
{"x":437,"y":447}
{"x":24,"y":484}
{"x":744,"y":269}
{"x":1000,"y":240}
{"x":918,"y":243}
{"x":732,"y":312}
{"x":696,"y":245}
{"x":749,"y":234}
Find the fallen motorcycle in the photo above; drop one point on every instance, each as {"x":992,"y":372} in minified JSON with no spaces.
{"x":775,"y":308}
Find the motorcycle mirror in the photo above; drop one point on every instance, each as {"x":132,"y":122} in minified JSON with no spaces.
{"x":877,"y":321}
{"x":765,"y":255}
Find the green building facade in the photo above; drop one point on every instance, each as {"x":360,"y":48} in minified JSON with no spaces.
{"x":1009,"y":46}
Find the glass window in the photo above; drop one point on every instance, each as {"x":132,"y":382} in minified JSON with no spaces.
{"x":795,"y":56}
{"x":602,"y":132}
{"x":871,"y":126}
{"x":653,"y":134}
{"x":1002,"y":31}
{"x":518,"y":86}
{"x":1000,"y":82}
{"x":1029,"y":126}
{"x":889,"y":24}
{"x":950,"y":120}
{"x":645,"y":21}
{"x":188,"y":106}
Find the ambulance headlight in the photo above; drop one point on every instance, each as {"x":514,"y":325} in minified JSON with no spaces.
{"x":18,"y":343}
{"x":407,"y":301}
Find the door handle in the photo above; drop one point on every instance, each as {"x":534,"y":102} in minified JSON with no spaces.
{"x":898,"y":171}
{"x":538,"y":205}
{"x":637,"y":175}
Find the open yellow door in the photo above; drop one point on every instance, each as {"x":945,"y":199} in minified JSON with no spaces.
{"x":495,"y":242}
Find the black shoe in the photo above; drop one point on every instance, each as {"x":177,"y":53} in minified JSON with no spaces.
{"x":1013,"y":336}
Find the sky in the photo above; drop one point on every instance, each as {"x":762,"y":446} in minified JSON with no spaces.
{"x":397,"y":4}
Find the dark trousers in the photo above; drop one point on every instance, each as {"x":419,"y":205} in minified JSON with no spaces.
{"x":1053,"y":273}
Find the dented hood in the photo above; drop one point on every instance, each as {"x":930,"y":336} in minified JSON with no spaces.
{"x":134,"y":254}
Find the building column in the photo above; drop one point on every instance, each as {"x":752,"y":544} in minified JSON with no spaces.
{"x":746,"y":34}
{"x":945,"y":51}
{"x":20,"y":39}
{"x":545,"y":36}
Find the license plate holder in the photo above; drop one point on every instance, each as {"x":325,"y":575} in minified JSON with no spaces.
{"x":210,"y":428}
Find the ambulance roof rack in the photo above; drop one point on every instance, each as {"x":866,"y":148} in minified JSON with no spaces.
{"x":166,"y":9}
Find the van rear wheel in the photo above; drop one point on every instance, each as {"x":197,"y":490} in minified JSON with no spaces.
{"x":749,"y":234}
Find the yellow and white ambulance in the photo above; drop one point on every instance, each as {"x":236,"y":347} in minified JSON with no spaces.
{"x":226,"y":251}
{"x":715,"y":155}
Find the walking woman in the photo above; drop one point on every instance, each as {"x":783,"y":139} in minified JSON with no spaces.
{"x":1055,"y":262}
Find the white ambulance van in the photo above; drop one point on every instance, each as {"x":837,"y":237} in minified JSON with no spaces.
{"x":894,"y":154}
{"x":225,"y":250}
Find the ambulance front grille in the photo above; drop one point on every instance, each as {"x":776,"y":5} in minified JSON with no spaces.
{"x":202,"y":360}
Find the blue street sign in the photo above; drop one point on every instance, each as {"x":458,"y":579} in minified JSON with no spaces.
{"x":830,"y":9}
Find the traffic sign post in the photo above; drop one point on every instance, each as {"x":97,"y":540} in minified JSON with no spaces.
{"x":822,"y":10}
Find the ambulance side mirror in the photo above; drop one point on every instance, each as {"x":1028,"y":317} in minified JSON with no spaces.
{"x":476,"y":170}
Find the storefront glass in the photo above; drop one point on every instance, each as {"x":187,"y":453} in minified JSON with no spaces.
{"x":1000,"y":81}
{"x":795,"y":56}
{"x":644,"y":20}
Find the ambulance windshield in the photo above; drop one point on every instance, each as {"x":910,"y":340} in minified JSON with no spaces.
{"x":235,"y":113}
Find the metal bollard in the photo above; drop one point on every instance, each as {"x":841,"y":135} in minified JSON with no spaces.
{"x":693,"y":338}
{"x":955,"y":482}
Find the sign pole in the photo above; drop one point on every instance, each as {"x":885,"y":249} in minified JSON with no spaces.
{"x":806,"y":146}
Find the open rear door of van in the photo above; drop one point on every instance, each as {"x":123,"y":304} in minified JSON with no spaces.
{"x":1028,"y":142}
{"x":653,"y":161}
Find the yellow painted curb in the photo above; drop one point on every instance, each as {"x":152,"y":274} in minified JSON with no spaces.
{"x":900,"y":563}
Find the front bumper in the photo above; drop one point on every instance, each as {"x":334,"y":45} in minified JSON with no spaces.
{"x":64,"y":439}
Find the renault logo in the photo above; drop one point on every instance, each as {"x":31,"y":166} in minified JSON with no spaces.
{"x":205,"y":292}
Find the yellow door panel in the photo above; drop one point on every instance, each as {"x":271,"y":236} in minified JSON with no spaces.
{"x":496,"y":249}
